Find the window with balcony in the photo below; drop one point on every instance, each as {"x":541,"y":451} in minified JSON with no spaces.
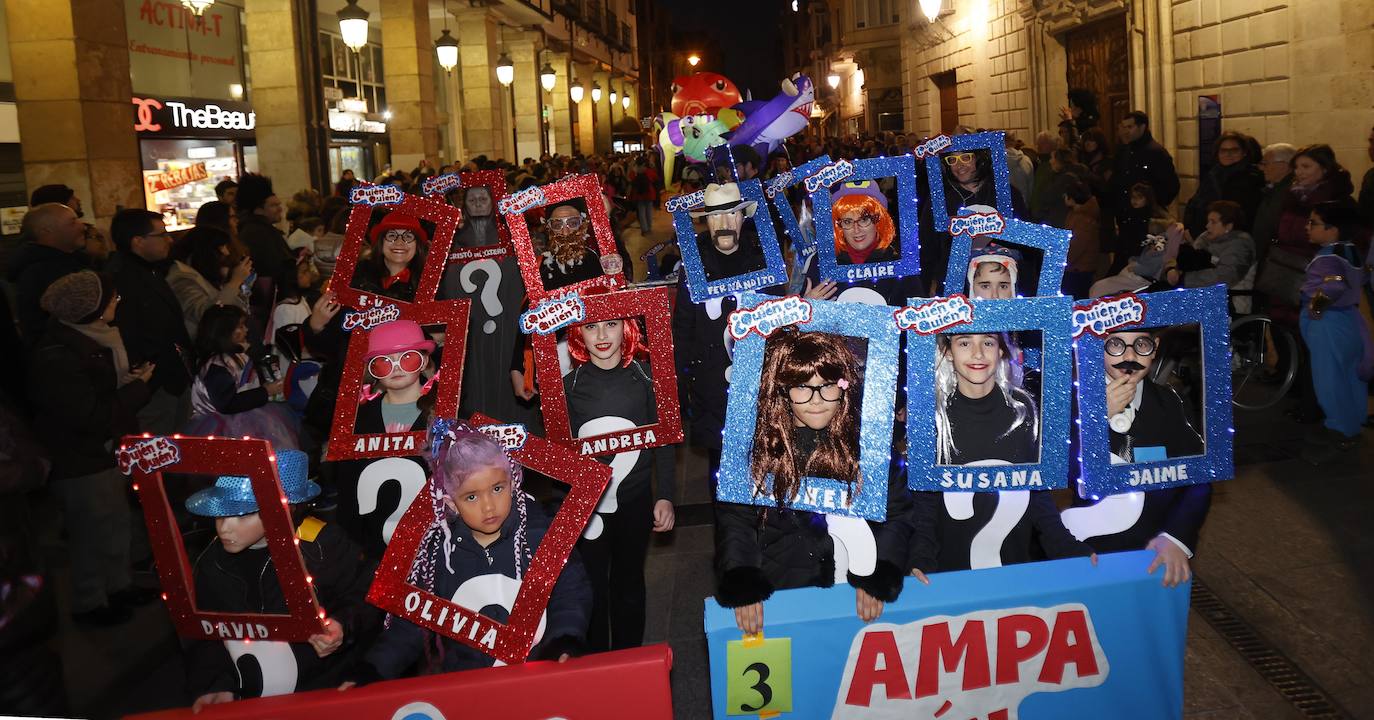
{"x":875,"y":13}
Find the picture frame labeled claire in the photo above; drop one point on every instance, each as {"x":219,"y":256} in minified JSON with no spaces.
{"x":1205,"y":307}
{"x":513,"y":208}
{"x":926,"y":318}
{"x":774,"y":271}
{"x":655,"y":306}
{"x":442,"y":216}
{"x":759,"y":317}
{"x":993,"y":143}
{"x":344,"y":442}
{"x":509,"y":642}
{"x":215,"y":456}
{"x":969,"y":226}
{"x":903,"y":169}
{"x":776,"y":191}
{"x":439,"y":188}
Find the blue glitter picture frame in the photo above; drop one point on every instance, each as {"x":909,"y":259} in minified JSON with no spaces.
{"x":774,"y":271}
{"x":1052,"y":242}
{"x":776,"y":190}
{"x":1051,"y":317}
{"x":903,"y":169}
{"x":995,"y":144}
{"x":871,"y":322}
{"x":1205,"y":307}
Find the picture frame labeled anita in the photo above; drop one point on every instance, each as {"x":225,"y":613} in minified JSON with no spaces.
{"x":924,"y":320}
{"x":509,"y":642}
{"x":347,"y":444}
{"x":758,"y":320}
{"x":654,"y":305}
{"x":969,"y":227}
{"x":701,"y":284}
{"x":776,"y":191}
{"x":933,"y":151}
{"x":513,"y":208}
{"x":434,"y":218}
{"x":148,"y":459}
{"x":855,"y":184}
{"x":1205,"y":308}
{"x":441,"y":186}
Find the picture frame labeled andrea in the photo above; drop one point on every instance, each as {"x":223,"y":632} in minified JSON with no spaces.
{"x":511,"y":641}
{"x":1035,"y":248}
{"x":773,"y":387}
{"x":861,"y":233}
{"x":977,"y":157}
{"x":380,"y":357}
{"x":472,"y":242}
{"x":635,"y":324}
{"x":149,"y":460}
{"x":395,"y":248}
{"x":1179,"y":324}
{"x":964,"y":353}
{"x":777,"y":190}
{"x":737,"y":218}
{"x":584,"y":227}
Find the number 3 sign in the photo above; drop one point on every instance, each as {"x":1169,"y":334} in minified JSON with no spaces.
{"x":759,"y":676}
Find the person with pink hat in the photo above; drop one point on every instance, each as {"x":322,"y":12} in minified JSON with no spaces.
{"x":397,"y":395}
{"x":398,"y":245}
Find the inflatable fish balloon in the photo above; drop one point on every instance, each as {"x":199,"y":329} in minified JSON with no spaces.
{"x":703,"y":93}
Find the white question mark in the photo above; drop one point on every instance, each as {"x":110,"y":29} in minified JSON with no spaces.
{"x":494,"y":589}
{"x":986,"y":549}
{"x":490,"y":302}
{"x":275,"y":660}
{"x":855,"y":549}
{"x":621,"y":465}
{"x":1111,"y":515}
{"x":407,"y":472}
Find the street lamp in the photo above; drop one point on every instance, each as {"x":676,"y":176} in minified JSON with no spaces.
{"x":693,"y":59}
{"x":353,"y":25}
{"x":576,"y":91}
{"x":547,"y":77}
{"x":596,"y":92}
{"x":505,"y":69}
{"x":197,"y":7}
{"x":929,"y":8}
{"x":505,"y":74}
{"x":614,"y":98}
{"x":625,"y":101}
{"x":446,"y":46}
{"x":833,"y":80}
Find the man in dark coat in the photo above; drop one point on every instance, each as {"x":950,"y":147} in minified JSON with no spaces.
{"x":1140,"y":159}
{"x":54,"y":248}
{"x":259,"y":210}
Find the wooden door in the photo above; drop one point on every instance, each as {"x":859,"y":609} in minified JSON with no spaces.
{"x":1099,"y":60}
{"x":948,"y":88}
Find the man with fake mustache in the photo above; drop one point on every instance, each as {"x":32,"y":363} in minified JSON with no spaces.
{"x":729,"y":246}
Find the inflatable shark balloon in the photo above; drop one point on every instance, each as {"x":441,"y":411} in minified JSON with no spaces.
{"x":767,"y":124}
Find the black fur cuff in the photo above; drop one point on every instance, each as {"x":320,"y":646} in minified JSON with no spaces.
{"x":743,"y":586}
{"x":884,"y":584}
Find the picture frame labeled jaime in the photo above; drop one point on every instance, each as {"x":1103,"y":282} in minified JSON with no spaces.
{"x":583,"y":192}
{"x":418,"y":229}
{"x":991,"y":146}
{"x":452,"y":189}
{"x":650,"y":339}
{"x":705,"y":277}
{"x":777,"y":190}
{"x":149,"y":460}
{"x":860,"y":233}
{"x":345,"y":441}
{"x":1201,"y":316}
{"x":509,"y":642}
{"x":971,"y":232}
{"x":970,"y":347}
{"x":857,"y":347}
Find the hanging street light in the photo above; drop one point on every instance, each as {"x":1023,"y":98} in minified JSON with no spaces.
{"x":625,"y":101}
{"x":833,"y":80}
{"x":547,"y":77}
{"x":197,"y":7}
{"x":614,"y":98}
{"x":353,"y":25}
{"x":693,"y":59}
{"x":576,"y":90}
{"x":447,"y":47}
{"x":929,"y":8}
{"x":596,"y":92}
{"x":505,"y":70}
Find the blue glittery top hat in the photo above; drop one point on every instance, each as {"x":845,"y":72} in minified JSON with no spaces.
{"x":232,"y":495}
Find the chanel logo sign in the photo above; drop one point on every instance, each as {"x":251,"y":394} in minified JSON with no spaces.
{"x":145,"y":123}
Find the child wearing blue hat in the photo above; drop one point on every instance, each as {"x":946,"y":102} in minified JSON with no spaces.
{"x":235,"y":574}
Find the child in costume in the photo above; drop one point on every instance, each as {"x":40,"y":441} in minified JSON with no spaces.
{"x":608,"y":389}
{"x":398,"y":247}
{"x":992,"y":273}
{"x":864,"y":233}
{"x":228,"y":396}
{"x":485,"y":525}
{"x":235,"y":574}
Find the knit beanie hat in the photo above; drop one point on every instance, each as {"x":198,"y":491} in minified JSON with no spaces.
{"x":78,"y":298}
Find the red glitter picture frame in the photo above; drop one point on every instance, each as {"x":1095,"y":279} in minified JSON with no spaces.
{"x":655,"y":305}
{"x":445,"y":218}
{"x":513,"y":639}
{"x":226,"y":456}
{"x":495,"y":182}
{"x":344,"y":442}
{"x":586,"y":187}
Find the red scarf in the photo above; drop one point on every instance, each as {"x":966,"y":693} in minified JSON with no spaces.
{"x":401,"y":277}
{"x":859,"y":257}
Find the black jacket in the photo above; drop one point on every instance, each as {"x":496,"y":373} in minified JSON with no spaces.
{"x":80,"y":411}
{"x":265,"y":243}
{"x":1142,"y":161}
{"x":150,"y":319}
{"x":341,"y":579}
{"x":33,"y":269}
{"x":623,"y":392}
{"x":1242,"y":183}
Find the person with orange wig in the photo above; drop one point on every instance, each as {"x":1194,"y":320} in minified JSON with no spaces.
{"x":864,"y":230}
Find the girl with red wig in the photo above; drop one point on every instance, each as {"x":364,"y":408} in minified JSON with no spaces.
{"x":864,"y":230}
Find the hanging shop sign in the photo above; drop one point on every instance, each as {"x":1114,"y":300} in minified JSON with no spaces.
{"x":190,"y":117}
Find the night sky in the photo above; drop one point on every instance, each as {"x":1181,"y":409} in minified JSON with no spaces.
{"x":746,"y":32}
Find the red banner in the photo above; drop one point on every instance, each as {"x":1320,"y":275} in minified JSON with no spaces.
{"x":176,"y":178}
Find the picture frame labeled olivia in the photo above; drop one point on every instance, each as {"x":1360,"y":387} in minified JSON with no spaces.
{"x":702,"y":282}
{"x":509,"y":642}
{"x":969,"y":227}
{"x":934,"y":150}
{"x":513,"y":209}
{"x":776,"y":190}
{"x":1093,"y":322}
{"x":924,"y":320}
{"x":654,"y":306}
{"x":856,"y":183}
{"x":148,"y":459}
{"x":353,"y":284}
{"x":871,"y":340}
{"x":440,"y":187}
{"x":345,"y":443}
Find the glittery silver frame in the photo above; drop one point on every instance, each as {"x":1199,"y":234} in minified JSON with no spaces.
{"x":1051,"y":241}
{"x":774,"y":270}
{"x":995,"y":144}
{"x":903,"y":169}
